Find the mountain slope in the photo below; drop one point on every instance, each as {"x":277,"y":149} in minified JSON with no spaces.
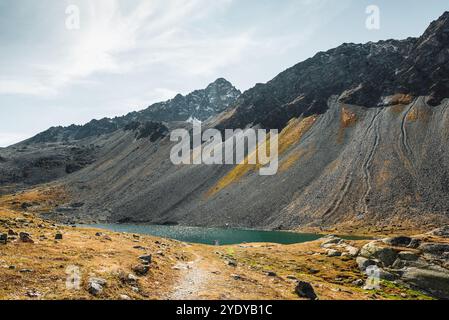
{"x":59,"y":151}
{"x":363,"y":143}
{"x":370,"y":75}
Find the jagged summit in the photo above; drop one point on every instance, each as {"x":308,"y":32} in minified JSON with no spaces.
{"x":361,"y":74}
{"x":200,"y":104}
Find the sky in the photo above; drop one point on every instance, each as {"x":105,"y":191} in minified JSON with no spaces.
{"x":69,"y":61}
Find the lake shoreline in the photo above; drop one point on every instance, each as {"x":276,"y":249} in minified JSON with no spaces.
{"x":217,"y":236}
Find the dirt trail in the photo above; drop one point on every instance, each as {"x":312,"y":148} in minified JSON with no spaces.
{"x":195,"y":277}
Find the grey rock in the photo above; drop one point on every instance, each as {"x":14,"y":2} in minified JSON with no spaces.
{"x":128,"y":278}
{"x":232,"y":263}
{"x":358,"y":283}
{"x":385,"y":275}
{"x":25,"y":237}
{"x":333,"y":253}
{"x":364,"y":263}
{"x":141,"y":270}
{"x":146,"y":258}
{"x":434,"y":282}
{"x":434,"y":248}
{"x":96,"y":285}
{"x":408,"y":256}
{"x":387,"y":256}
{"x":236,"y":277}
{"x":26,"y":271}
{"x":398,"y":241}
{"x":415,"y":243}
{"x":132,"y":278}
{"x":33,"y":294}
{"x":3,"y":238}
{"x":441,"y":232}
{"x":352,"y":251}
{"x":329,"y":240}
{"x":399,"y":264}
{"x":305,"y":290}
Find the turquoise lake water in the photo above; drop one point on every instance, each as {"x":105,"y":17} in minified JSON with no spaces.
{"x":212,"y":236}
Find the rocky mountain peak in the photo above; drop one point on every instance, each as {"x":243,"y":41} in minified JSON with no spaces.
{"x":438,"y":29}
{"x":200,"y":104}
{"x":360,"y":74}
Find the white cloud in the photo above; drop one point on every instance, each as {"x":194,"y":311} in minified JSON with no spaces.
{"x":121,"y":39}
{"x":111,"y":41}
{"x":30,"y":87}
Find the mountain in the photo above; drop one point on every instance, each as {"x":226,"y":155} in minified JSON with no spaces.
{"x":59,"y":151}
{"x":370,"y":75}
{"x":200,"y":104}
{"x":363,"y":146}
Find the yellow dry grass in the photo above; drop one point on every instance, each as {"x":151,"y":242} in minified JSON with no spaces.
{"x":289,"y":136}
{"x":41,"y":267}
{"x":347,"y":119}
{"x":418,"y":114}
{"x":401,"y":99}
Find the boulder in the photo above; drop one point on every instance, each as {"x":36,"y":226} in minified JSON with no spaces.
{"x":25,"y":205}
{"x":386,"y":256}
{"x":415,"y":243}
{"x":432,"y":281}
{"x":58,"y":236}
{"x":401,"y":241}
{"x":442,"y":232}
{"x":434,"y":248}
{"x":408,"y":256}
{"x":127,"y":278}
{"x":364,"y":263}
{"x":141,"y":270}
{"x":352,"y":251}
{"x":305,"y":290}
{"x":232,"y":263}
{"x":329,"y":240}
{"x":385,"y":275}
{"x":25,"y":237}
{"x":3,"y":238}
{"x":333,"y":253}
{"x":33,"y":294}
{"x":131,"y":278}
{"x":146,"y":258}
{"x":95,"y":286}
{"x":358,"y":282}
{"x":236,"y":277}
